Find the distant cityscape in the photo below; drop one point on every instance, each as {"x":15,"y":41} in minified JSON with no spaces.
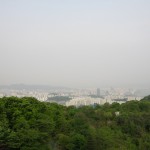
{"x":74,"y":97}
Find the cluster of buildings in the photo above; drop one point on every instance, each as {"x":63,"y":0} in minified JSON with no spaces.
{"x":114,"y":95}
{"x":39,"y":95}
{"x":77,"y":97}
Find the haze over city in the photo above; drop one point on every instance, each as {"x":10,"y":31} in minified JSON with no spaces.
{"x":75,"y":43}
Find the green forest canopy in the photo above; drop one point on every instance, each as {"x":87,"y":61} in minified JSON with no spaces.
{"x":28,"y":124}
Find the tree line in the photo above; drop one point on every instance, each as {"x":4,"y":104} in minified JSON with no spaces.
{"x":28,"y":124}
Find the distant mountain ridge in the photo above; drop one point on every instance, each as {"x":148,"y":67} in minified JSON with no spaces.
{"x":31,"y":87}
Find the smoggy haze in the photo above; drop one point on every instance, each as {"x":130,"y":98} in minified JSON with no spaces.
{"x":75,"y":43}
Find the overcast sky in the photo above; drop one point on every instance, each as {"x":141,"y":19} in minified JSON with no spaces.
{"x":75,"y":43}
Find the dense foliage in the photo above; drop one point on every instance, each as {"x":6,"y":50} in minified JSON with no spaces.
{"x":27,"y":124}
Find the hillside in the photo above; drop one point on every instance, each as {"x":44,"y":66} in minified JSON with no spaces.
{"x":27,"y":124}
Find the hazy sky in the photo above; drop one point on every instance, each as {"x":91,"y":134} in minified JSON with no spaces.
{"x":75,"y":43}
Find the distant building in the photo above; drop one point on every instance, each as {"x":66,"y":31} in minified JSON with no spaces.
{"x":98,"y":92}
{"x":120,"y":100}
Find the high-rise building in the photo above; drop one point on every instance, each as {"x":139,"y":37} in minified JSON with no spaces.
{"x":98,"y":92}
